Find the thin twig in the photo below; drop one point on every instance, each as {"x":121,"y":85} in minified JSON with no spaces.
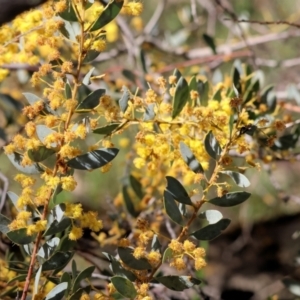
{"x":243,"y":36}
{"x":279,"y":22}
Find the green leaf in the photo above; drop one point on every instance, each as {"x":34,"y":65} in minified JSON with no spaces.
{"x":66,"y":244}
{"x":268,"y":97}
{"x":57,"y":292}
{"x":68,"y":90}
{"x":117,"y":268}
{"x":218,"y":95}
{"x":40,"y":154}
{"x":92,"y":100}
{"x":110,"y":11}
{"x":37,"y":280}
{"x":14,"y":199}
{"x":57,"y":260}
{"x":107,"y":129}
{"x":129,"y":203}
{"x":123,"y":102}
{"x":212,"y":216}
{"x":90,"y":56}
{"x":190,"y":159}
{"x":156,"y":245}
{"x":129,"y":75}
{"x":126,"y":255}
{"x":57,"y":227}
{"x":69,"y":14}
{"x":149,"y":112}
{"x":178,"y":74}
{"x":210,"y":42}
{"x":31,"y":98}
{"x":231,"y":123}
{"x":211,"y":231}
{"x":203,"y":90}
{"x":85,"y":274}
{"x":124,"y":287}
{"x":175,"y":188}
{"x":42,"y":131}
{"x":292,"y":285}
{"x":230,"y":199}
{"x":212,"y":146}
{"x":86,"y":79}
{"x":20,"y":236}
{"x":252,"y":91}
{"x":236,"y":78}
{"x":238,"y":178}
{"x":19,"y":278}
{"x":178,"y":283}
{"x":16,"y":159}
{"x":94,"y":159}
{"x":78,"y":294}
{"x":136,"y":186}
{"x":172,"y":209}
{"x":4,"y":222}
{"x":181,"y":97}
{"x":168,"y":254}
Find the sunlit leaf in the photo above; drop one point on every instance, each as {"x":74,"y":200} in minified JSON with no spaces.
{"x":212,"y":216}
{"x":4,"y":222}
{"x":181,"y":97}
{"x":57,"y":292}
{"x":178,"y":283}
{"x":42,"y":131}
{"x":123,"y":102}
{"x":175,"y":188}
{"x":16,"y":159}
{"x":107,"y":129}
{"x":86,"y":79}
{"x":168,"y":254}
{"x":126,"y":255}
{"x":14,"y":199}
{"x":124,"y":287}
{"x":211,"y":231}
{"x":149,"y":112}
{"x":110,"y":11}
{"x":238,"y":178}
{"x":172,"y":209}
{"x":92,"y":100}
{"x":94,"y":159}
{"x":230,"y":199}
{"x":190,"y":159}
{"x":218,"y":95}
{"x":212,"y":146}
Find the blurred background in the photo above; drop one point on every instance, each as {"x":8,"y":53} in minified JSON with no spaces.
{"x":260,"y":247}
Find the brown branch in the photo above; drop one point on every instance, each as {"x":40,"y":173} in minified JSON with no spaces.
{"x":280,"y":22}
{"x":10,"y":9}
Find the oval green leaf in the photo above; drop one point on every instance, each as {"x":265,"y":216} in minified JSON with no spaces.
{"x":124,"y":287}
{"x":210,"y":42}
{"x":56,"y":227}
{"x":110,"y":11}
{"x":181,"y":97}
{"x":107,"y":129}
{"x":20,"y":236}
{"x":190,"y":159}
{"x":92,"y":100}
{"x":126,"y":255}
{"x":42,"y":131}
{"x":57,"y":260}
{"x":172,"y":209}
{"x":123,"y":102}
{"x":40,"y":154}
{"x":90,"y":56}
{"x":211,"y":231}
{"x":175,"y":188}
{"x":16,"y":158}
{"x":136,"y":186}
{"x":94,"y":159}
{"x":4,"y":222}
{"x":230,"y":199}
{"x":238,"y":178}
{"x":212,"y":146}
{"x":129,"y":203}
{"x":85,"y":274}
{"x":57,"y":293}
{"x":178,"y":283}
